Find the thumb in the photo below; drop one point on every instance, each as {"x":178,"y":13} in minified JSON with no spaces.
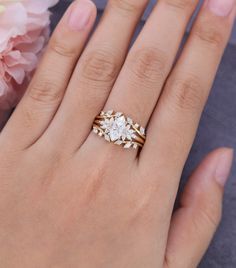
{"x":194,"y":223}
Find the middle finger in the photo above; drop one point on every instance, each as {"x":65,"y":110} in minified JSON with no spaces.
{"x":150,"y":60}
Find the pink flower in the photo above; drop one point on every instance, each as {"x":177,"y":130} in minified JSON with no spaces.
{"x":24,"y":31}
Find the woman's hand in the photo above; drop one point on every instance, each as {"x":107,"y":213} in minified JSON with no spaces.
{"x":70,"y":199}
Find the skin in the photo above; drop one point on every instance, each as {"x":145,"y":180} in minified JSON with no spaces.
{"x":70,"y":199}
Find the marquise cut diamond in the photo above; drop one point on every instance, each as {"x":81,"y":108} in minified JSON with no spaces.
{"x":117,"y":128}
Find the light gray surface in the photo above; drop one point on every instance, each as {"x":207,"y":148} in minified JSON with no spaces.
{"x":217,"y":128}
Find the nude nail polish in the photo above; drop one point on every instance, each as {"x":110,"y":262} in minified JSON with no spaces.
{"x":224,"y":167}
{"x":80,"y":15}
{"x":221,"y":7}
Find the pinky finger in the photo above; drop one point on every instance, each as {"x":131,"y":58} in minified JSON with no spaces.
{"x":194,"y":223}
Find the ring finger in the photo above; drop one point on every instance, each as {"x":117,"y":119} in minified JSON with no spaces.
{"x":149,"y":62}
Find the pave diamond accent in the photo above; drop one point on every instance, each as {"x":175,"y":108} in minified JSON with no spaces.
{"x":142,"y":131}
{"x":117,"y":128}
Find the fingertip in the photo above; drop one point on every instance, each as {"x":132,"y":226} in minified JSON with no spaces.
{"x":209,"y":178}
{"x":200,"y":210}
{"x":216,"y":165}
{"x":80,"y":15}
{"x":223,"y":169}
{"x":223,"y":150}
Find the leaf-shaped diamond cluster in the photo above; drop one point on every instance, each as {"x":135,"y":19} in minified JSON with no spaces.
{"x":115,"y":127}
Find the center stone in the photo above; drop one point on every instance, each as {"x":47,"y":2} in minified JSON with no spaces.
{"x":117,"y":128}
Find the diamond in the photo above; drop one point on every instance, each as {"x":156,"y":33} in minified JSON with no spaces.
{"x":117,"y":128}
{"x":135,"y":145}
{"x":120,"y":121}
{"x":95,"y":130}
{"x":142,"y":131}
{"x":114,"y":135}
{"x":110,"y":112}
{"x":128,"y":145}
{"x":107,"y":138}
{"x":106,"y":124}
{"x":119,"y":142}
{"x":130,"y":121}
{"x":118,"y":114}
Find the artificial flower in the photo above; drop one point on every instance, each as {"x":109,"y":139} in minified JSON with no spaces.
{"x":24,"y":31}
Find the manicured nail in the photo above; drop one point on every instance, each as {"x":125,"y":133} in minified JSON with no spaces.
{"x":221,"y":7}
{"x":80,"y":15}
{"x":224,"y":165}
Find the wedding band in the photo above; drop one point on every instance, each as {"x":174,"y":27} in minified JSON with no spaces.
{"x":119,"y":129}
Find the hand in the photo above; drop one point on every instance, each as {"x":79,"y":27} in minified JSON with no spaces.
{"x":69,"y":198}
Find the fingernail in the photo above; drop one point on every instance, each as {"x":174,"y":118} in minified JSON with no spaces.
{"x":224,"y":165}
{"x":80,"y":15}
{"x":221,"y":7}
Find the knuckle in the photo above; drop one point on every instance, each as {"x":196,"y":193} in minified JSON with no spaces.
{"x":62,"y":48}
{"x":99,"y":66}
{"x":209,"y":35}
{"x":148,"y":64}
{"x":44,"y":91}
{"x":211,"y":216}
{"x":180,"y":4}
{"x":187,"y":93}
{"x":127,"y":6}
{"x":29,"y":117}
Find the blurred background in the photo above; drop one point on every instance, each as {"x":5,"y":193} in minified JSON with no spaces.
{"x":217,"y":128}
